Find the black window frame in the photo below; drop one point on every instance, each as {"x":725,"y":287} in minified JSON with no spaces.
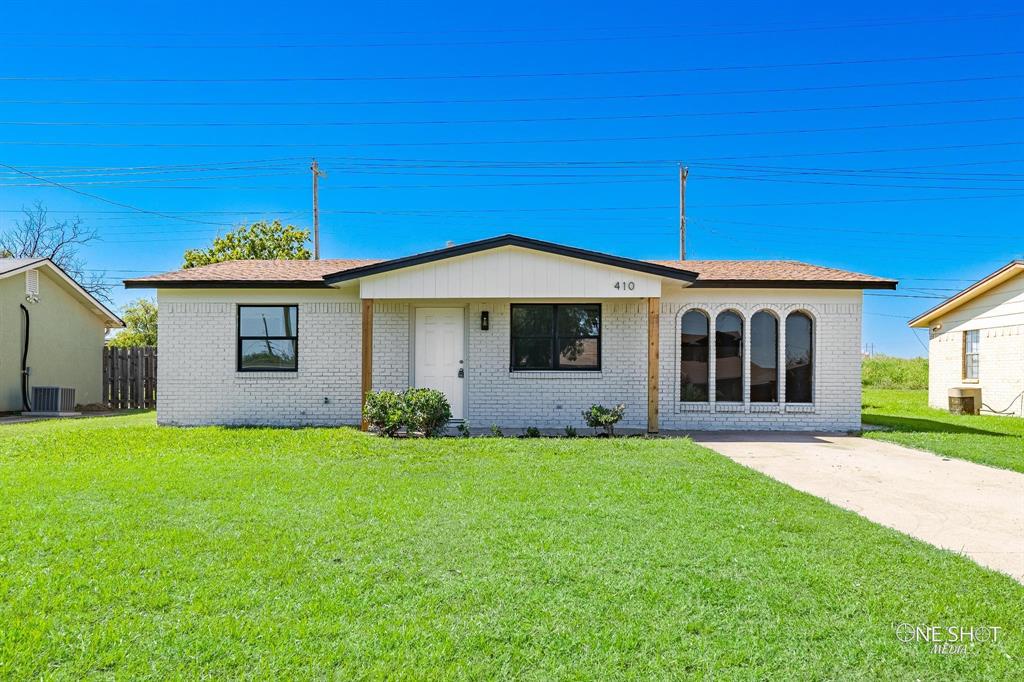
{"x":555,"y":355}
{"x":239,"y":338}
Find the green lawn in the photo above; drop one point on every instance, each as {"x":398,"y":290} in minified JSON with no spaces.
{"x":986,"y":439}
{"x":128,"y":550}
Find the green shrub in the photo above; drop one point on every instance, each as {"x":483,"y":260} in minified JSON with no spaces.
{"x":570,"y":431}
{"x":385,"y":412}
{"x":463,"y":429}
{"x":418,"y":410}
{"x":496,"y":431}
{"x":600,"y":417}
{"x":532,"y":432}
{"x":882,"y":371}
{"x":426,"y":411}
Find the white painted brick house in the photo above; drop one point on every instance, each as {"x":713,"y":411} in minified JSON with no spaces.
{"x":516,"y":332}
{"x":977,"y":342}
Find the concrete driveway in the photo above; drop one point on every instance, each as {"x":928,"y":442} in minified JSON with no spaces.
{"x":968,"y":508}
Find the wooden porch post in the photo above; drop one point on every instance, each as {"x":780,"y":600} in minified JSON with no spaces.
{"x":367,"y":364}
{"x":653,"y":355}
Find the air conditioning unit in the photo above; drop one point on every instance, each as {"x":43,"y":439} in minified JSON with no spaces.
{"x":966,"y":400}
{"x":53,"y":400}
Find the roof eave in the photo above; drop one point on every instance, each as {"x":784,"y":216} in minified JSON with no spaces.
{"x":793,"y":284}
{"x":925,"y":319}
{"x":224,"y":284}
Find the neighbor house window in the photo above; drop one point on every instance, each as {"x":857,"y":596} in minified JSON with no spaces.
{"x":268,"y":338}
{"x":729,"y":357}
{"x":971,"y":354}
{"x":764,"y":358}
{"x":693,"y":365}
{"x":564,"y":336}
{"x":799,"y":358}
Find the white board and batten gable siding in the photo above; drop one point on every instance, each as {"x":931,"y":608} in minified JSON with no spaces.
{"x":510,"y":272}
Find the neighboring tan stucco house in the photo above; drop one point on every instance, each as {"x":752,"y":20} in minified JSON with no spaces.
{"x":977,"y":341}
{"x":66,"y":331}
{"x":517,"y":332}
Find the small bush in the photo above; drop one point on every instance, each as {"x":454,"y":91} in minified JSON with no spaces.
{"x":496,"y":431}
{"x":600,"y":417}
{"x":532,"y":432}
{"x":570,"y":432}
{"x":385,"y":412}
{"x":421,"y":410}
{"x":882,"y":371}
{"x":427,"y":411}
{"x":463,"y":429}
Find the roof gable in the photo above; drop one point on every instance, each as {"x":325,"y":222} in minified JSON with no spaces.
{"x":982,"y":286}
{"x":13,"y":266}
{"x":647,"y":267}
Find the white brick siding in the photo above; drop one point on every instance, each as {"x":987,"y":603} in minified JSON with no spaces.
{"x":837,"y":387}
{"x":197,"y":378}
{"x":199,"y":384}
{"x":998,"y":315}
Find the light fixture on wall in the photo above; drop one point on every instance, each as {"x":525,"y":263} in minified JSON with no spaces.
{"x":485,"y":320}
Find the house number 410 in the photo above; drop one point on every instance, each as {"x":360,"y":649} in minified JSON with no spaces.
{"x":625,"y":286}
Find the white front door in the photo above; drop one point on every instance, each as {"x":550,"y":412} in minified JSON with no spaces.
{"x":439,"y":353}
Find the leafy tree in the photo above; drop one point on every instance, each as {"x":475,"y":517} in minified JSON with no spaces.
{"x":140,"y":325}
{"x":261,"y":240}
{"x":39,"y":236}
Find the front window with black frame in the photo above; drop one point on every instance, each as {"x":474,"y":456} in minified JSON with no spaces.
{"x":268,"y":338}
{"x":556,"y":336}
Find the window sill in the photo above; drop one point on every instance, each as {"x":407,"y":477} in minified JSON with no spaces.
{"x":970,"y":381}
{"x":729,"y":407}
{"x":764,"y":407}
{"x":694,"y":407}
{"x":557,"y":374}
{"x":799,"y":407}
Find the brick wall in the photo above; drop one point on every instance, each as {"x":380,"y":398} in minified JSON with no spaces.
{"x":837,"y":358}
{"x":197,"y":378}
{"x":494,"y":395}
{"x":998,"y":315}
{"x":199,"y":384}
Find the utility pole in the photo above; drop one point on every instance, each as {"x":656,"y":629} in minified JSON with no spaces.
{"x":683,"y":172}
{"x":315,"y":169}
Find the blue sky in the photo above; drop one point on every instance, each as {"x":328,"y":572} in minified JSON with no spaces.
{"x":880,"y":138}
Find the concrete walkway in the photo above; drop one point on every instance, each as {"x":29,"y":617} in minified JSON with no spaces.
{"x":968,"y":508}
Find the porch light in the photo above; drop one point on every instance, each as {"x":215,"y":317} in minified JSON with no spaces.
{"x":485,"y":320}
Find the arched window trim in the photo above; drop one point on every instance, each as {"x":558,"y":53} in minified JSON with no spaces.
{"x":744,"y":332}
{"x":710,"y":318}
{"x":779,"y":355}
{"x":810,"y":315}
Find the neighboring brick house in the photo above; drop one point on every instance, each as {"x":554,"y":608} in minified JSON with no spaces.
{"x":517,"y":332}
{"x":977,"y":342}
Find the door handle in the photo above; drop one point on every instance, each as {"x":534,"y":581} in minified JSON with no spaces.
{"x":462,"y":373}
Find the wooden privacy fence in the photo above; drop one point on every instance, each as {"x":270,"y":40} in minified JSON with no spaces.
{"x":129,"y":377}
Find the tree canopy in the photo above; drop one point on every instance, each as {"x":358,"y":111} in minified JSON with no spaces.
{"x":140,"y":319}
{"x":37,"y":235}
{"x":258,"y":241}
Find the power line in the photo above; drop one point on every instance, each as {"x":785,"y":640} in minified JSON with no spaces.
{"x":523,"y":75}
{"x":104,"y":199}
{"x":477,"y":143}
{"x":505,"y":100}
{"x":263,"y":45}
{"x":486,"y":121}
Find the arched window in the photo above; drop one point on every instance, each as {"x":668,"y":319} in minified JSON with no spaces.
{"x":693,"y":365}
{"x":764,"y":358}
{"x":729,"y":357}
{"x":799,"y":358}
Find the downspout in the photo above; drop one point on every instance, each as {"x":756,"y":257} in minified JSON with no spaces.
{"x":24,"y":365}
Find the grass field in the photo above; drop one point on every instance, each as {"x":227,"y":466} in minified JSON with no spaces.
{"x":986,"y":439}
{"x":883,"y":371}
{"x":134,"y":551}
